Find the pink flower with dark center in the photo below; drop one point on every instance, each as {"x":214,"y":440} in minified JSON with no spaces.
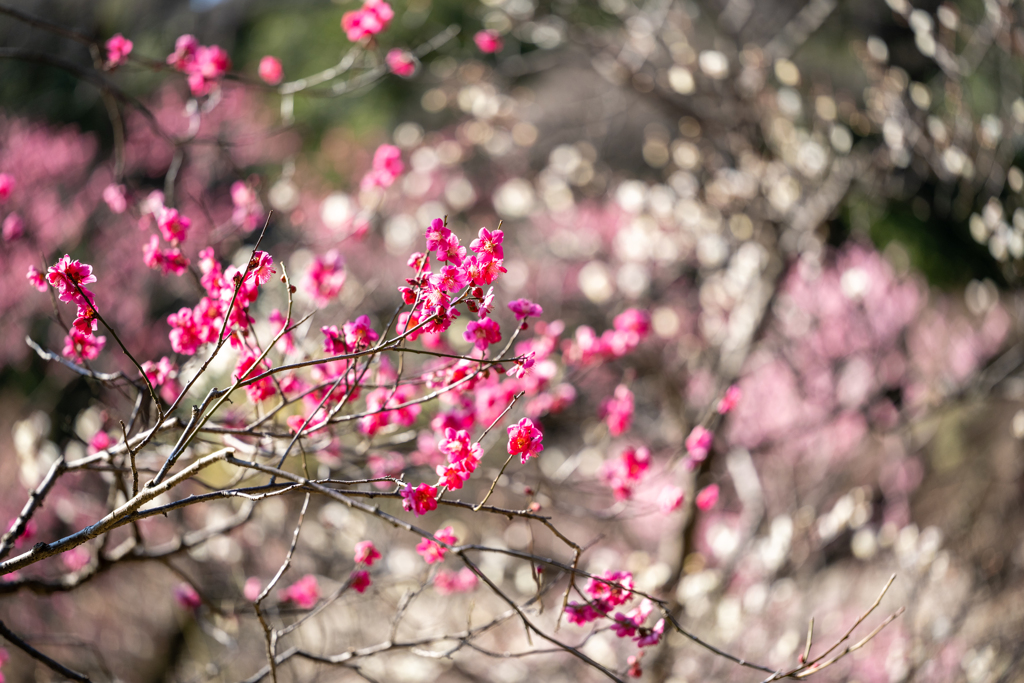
{"x":450,"y":250}
{"x":270,"y":70}
{"x":488,"y":245}
{"x":359,"y":580}
{"x":524,"y":308}
{"x":401,"y":62}
{"x":525,"y":439}
{"x":614,"y":590}
{"x":173,"y":226}
{"x":455,"y":444}
{"x":654,"y":636}
{"x":66,"y":274}
{"x":707,"y":498}
{"x":420,"y":500}
{"x":450,"y":279}
{"x":482,"y":333}
{"x":164,"y":260}
{"x":581,"y":614}
{"x":118,"y":49}
{"x":159,"y":373}
{"x":482,"y":274}
{"x":366,"y":553}
{"x":36,"y":278}
{"x":305,"y":592}
{"x":488,"y":41}
{"x":114,"y":196}
{"x":260,"y":267}
{"x":437,"y":235}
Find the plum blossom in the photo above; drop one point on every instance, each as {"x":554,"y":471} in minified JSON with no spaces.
{"x":670,"y":498}
{"x":488,"y":245}
{"x":164,"y":260}
{"x":524,"y":308}
{"x":525,"y":439}
{"x":433,"y":552}
{"x":173,"y":226}
{"x":247,"y":369}
{"x":118,"y":49}
{"x":654,"y":636}
{"x":488,"y":41}
{"x":248,"y":211}
{"x":618,"y":410}
{"x":359,"y":580}
{"x":401,"y":62}
{"x":325,"y":277}
{"x":305,"y":592}
{"x":623,"y":473}
{"x":707,"y":498}
{"x":68,"y":276}
{"x":36,"y":278}
{"x":698,"y":443}
{"x":203,"y":65}
{"x":387,"y":166}
{"x":372,"y":18}
{"x":260,"y":267}
{"x":462,"y":581}
{"x":270,"y":70}
{"x":252,"y":588}
{"x":611,"y":588}
{"x":358,"y":333}
{"x":114,"y":196}
{"x":366,"y":553}
{"x":732,"y":396}
{"x":420,"y":500}
{"x":482,"y":333}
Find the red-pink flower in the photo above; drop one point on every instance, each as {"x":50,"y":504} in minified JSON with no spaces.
{"x":525,"y":439}
{"x":524,"y":308}
{"x":358,"y":333}
{"x":732,"y":396}
{"x":367,"y":21}
{"x":304,"y":592}
{"x":270,"y":70}
{"x":482,"y":333}
{"x":623,"y":473}
{"x":462,"y":581}
{"x":577,"y":613}
{"x":387,"y":166}
{"x":248,"y":211}
{"x":187,"y":597}
{"x":325,"y":277}
{"x":615,"y":589}
{"x":184,"y":52}
{"x":114,"y":196}
{"x":118,"y":49}
{"x":618,"y":410}
{"x":401,"y":62}
{"x":707,"y":498}
{"x":81,"y":346}
{"x":164,"y":260}
{"x":698,"y":443}
{"x":654,"y":636}
{"x":66,"y":274}
{"x":489,"y":245}
{"x":36,"y":278}
{"x":437,"y":235}
{"x":420,"y":500}
{"x":366,"y":553}
{"x":260,"y":267}
{"x":359,"y":580}
{"x":433,"y":552}
{"x":261,"y":389}
{"x":210,"y":63}
{"x":173,"y":226}
{"x":6,"y":186}
{"x":488,"y":41}
{"x":455,"y":444}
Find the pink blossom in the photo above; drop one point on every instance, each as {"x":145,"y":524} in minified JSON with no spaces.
{"x":524,"y":308}
{"x":450,"y":279}
{"x":270,"y":70}
{"x":670,"y":498}
{"x":366,"y":553}
{"x":114,"y":196}
{"x":732,"y":396}
{"x":489,"y":245}
{"x":368,"y":21}
{"x":433,"y":552}
{"x":635,"y":670}
{"x":525,"y":439}
{"x":164,"y":260}
{"x":451,"y":250}
{"x":654,"y":636}
{"x":615,"y":589}
{"x":252,"y":588}
{"x":247,"y":369}
{"x":577,"y":613}
{"x":187,"y":597}
{"x":80,"y":346}
{"x":305,"y":592}
{"x":698,"y":443}
{"x":420,"y":500}
{"x":184,"y":52}
{"x":359,"y":580}
{"x":260,"y":267}
{"x":387,"y":166}
{"x":100,"y":442}
{"x":118,"y":49}
{"x":488,"y":41}
{"x":76,"y":558}
{"x":618,"y":410}
{"x":13,"y":227}
{"x":358,"y":333}
{"x":325,"y":277}
{"x":623,"y":473}
{"x":248,"y":211}
{"x":437,"y":235}
{"x":455,"y":444}
{"x":401,"y":62}
{"x":462,"y":581}
{"x":482,"y":333}
{"x":36,"y":278}
{"x":707,"y":498}
{"x":209,"y":64}
{"x":173,"y":226}
{"x":68,"y":276}
{"x":159,"y":373}
{"x":6,"y":186}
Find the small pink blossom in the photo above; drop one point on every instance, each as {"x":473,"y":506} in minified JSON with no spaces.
{"x":252,"y":588}
{"x":270,"y":70}
{"x":81,"y":347}
{"x":462,"y":581}
{"x":420,"y":500}
{"x":260,"y":267}
{"x":670,"y":498}
{"x":187,"y":597}
{"x":524,"y":308}
{"x":618,"y":410}
{"x":305,"y":592}
{"x":623,"y":473}
{"x":488,"y":41}
{"x":654,"y":636}
{"x":13,"y":227}
{"x":482,"y":333}
{"x":437,"y":235}
{"x":173,"y":226}
{"x":164,"y":260}
{"x":114,"y":196}
{"x":433,"y":552}
{"x":577,"y":613}
{"x":184,"y":52}
{"x":359,"y":580}
{"x":525,"y":439}
{"x":488,"y":245}
{"x":707,"y":498}
{"x":387,"y":166}
{"x":366,"y":553}
{"x":367,"y":21}
{"x":615,"y":589}
{"x":401,"y":62}
{"x":248,"y":211}
{"x":36,"y":278}
{"x":359,"y":334}
{"x":118,"y":49}
{"x":732,"y":396}
{"x":698,"y":443}
{"x":100,"y":442}
{"x":66,"y":274}
{"x":7,"y":185}
{"x":325,"y":277}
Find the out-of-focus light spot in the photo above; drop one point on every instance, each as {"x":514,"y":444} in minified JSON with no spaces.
{"x":681,"y":80}
{"x":434,"y":100}
{"x":408,"y":134}
{"x":787,"y":72}
{"x":714,"y":64}
{"x":666,"y":323}
{"x":595,"y":282}
{"x":877,"y":49}
{"x":514,"y":199}
{"x":337,"y":210}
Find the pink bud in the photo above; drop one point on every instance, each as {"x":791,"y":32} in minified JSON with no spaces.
{"x":270,"y":70}
{"x":488,"y":41}
{"x":707,"y":498}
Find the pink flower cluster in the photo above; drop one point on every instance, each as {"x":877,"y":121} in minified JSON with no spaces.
{"x":162,"y":376}
{"x":305,"y":592}
{"x":401,"y":62}
{"x":204,"y":65}
{"x":629,"y":328}
{"x":608,"y":591}
{"x":387,"y":166}
{"x":372,"y":18}
{"x":325,"y":277}
{"x":463,"y":457}
{"x":462,"y":581}
{"x":618,"y":411}
{"x":623,"y":473}
{"x":118,"y":49}
{"x":524,"y":439}
{"x":420,"y":500}
{"x":165,"y":260}
{"x":69,"y":279}
{"x":432,"y":552}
